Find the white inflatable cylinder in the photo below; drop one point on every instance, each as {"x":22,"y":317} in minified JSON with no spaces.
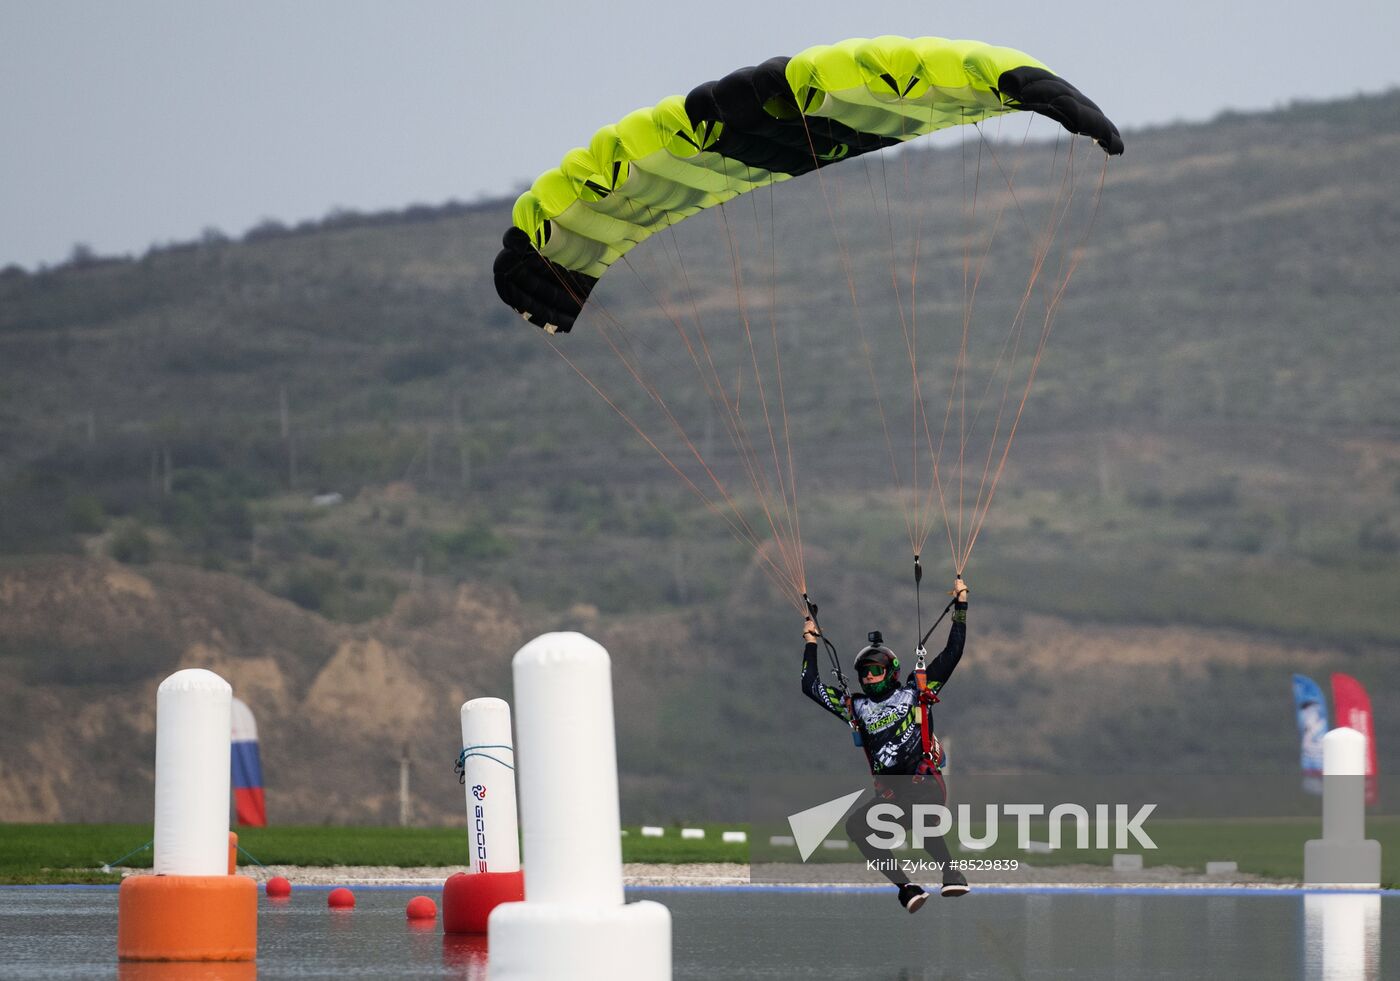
{"x":193,"y":727}
{"x":1344,"y":800}
{"x":493,"y":826}
{"x":533,"y":941}
{"x":568,"y":776}
{"x":573,"y":923}
{"x":1344,"y":753}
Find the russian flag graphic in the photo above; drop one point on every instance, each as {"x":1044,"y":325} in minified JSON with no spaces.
{"x":248,"y":804}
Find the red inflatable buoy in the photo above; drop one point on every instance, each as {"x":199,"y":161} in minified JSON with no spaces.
{"x":278,"y":887}
{"x":422,"y":908}
{"x":341,"y":898}
{"x":469,"y":898}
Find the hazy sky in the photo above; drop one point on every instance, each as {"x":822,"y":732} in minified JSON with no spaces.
{"x":128,"y":123}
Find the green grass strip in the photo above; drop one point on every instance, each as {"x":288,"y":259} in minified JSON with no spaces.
{"x":75,"y":853}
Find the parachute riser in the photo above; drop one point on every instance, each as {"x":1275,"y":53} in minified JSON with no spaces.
{"x":927,"y":697}
{"x":918,"y":604}
{"x":836,"y":671}
{"x":927,"y":633}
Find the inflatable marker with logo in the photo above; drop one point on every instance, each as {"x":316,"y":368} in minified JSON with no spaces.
{"x":486,"y":768}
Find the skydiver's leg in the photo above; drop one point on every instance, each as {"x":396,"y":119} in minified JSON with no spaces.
{"x":858,"y":830}
{"x":932,"y":790}
{"x":911,"y":896}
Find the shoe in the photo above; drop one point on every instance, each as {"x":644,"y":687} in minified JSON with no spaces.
{"x":955,"y":884}
{"x":911,"y":897}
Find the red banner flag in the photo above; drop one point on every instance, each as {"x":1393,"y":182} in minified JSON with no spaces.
{"x":1353,"y":707}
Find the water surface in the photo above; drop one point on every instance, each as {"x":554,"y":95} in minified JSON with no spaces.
{"x":69,"y":932}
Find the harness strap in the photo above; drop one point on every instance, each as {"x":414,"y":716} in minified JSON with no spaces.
{"x":928,"y":698}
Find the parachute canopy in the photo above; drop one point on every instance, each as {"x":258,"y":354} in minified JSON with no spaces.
{"x":752,"y":128}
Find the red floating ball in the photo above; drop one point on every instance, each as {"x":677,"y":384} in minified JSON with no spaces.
{"x":341,"y":898}
{"x":278,"y":887}
{"x":422,"y":908}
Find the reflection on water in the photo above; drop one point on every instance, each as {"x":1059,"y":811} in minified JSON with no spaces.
{"x":48,"y":933}
{"x":208,"y":971}
{"x":465,"y":956}
{"x":1343,"y":936}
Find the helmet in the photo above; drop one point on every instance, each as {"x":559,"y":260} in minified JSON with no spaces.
{"x":876,"y":653}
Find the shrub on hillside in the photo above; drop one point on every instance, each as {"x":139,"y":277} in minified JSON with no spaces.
{"x":308,"y":587}
{"x":476,"y":541}
{"x":130,"y":544}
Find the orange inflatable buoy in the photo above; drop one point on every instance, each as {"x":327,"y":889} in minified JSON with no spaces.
{"x":187,"y":918}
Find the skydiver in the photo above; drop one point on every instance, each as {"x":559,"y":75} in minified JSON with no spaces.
{"x":885,"y":719}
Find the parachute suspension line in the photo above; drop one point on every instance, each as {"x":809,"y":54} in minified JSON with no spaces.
{"x":713,"y":383}
{"x":740,"y":528}
{"x":1055,"y":218}
{"x":1044,"y":242}
{"x":919,"y":413}
{"x":875,"y":199}
{"x":731,"y":515}
{"x":957,"y":384}
{"x":735,"y":426}
{"x":1071,"y":265}
{"x":757,"y":471}
{"x":784,"y":578}
{"x":916,"y":233}
{"x":917,"y":513}
{"x":749,"y":453}
{"x":908,"y":317}
{"x":792,"y":577}
{"x":795,"y":514}
{"x":782,"y":390}
{"x":908,"y":329}
{"x":783,"y":460}
{"x":660,"y":402}
{"x":969,"y":290}
{"x":920,"y":521}
{"x":783,"y":480}
{"x":860,"y":321}
{"x":968,"y":525}
{"x":1011,"y":343}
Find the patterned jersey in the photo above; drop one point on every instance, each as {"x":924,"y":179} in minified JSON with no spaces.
{"x":889,"y":728}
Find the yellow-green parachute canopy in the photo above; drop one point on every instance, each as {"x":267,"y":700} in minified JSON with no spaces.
{"x":758,"y":125}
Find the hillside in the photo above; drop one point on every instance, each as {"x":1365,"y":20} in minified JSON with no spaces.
{"x":1201,"y":500}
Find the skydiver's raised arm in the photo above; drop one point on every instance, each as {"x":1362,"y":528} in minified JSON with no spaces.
{"x":824,"y":695}
{"x":940,"y":668}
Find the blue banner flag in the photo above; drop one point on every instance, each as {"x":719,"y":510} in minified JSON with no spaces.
{"x":1311,"y":706}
